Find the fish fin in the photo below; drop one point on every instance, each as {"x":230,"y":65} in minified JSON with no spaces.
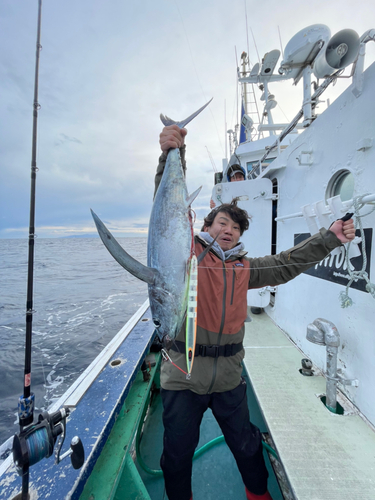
{"x":192,"y":197}
{"x":168,"y":121}
{"x":206,"y":250}
{"x":144,"y":273}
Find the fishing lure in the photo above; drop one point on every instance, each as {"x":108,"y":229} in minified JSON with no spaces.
{"x":191,"y":314}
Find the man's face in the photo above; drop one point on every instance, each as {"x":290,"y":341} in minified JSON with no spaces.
{"x":229,"y":231}
{"x":238,"y":176}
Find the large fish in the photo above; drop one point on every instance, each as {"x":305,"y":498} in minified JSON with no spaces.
{"x":170,"y":245}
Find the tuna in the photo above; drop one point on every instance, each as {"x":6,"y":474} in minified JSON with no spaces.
{"x":170,"y":245}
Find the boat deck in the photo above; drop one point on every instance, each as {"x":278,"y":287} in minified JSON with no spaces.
{"x":215,"y":473}
{"x":325,"y":455}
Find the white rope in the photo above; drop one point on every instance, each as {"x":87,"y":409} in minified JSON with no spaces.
{"x":345,"y":300}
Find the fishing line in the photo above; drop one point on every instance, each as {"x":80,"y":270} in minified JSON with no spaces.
{"x":257,"y":268}
{"x":82,"y":344}
{"x":281,"y":109}
{"x":268,"y":267}
{"x":212,"y":161}
{"x":37,"y":445}
{"x":67,"y":362}
{"x":256,"y":48}
{"x":86,"y":344}
{"x":166,"y":357}
{"x":44,"y":375}
{"x":196,"y":72}
{"x":192,"y":219}
{"x":281,"y":45}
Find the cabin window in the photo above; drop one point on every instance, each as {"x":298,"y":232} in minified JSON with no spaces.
{"x":341,"y":184}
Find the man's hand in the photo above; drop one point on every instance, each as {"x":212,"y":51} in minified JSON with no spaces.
{"x":172,"y":137}
{"x":212,"y":203}
{"x":345,"y":231}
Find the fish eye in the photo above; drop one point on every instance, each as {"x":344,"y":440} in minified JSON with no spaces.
{"x":157,"y":323}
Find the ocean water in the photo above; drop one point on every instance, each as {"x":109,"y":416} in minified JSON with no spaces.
{"x":82,"y":297}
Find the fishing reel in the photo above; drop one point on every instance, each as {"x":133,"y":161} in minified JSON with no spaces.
{"x":38,"y":441}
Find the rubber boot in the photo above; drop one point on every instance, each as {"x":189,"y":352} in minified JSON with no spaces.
{"x":252,"y":496}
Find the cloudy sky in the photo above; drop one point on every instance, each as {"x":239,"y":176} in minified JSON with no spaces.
{"x":107,"y":70}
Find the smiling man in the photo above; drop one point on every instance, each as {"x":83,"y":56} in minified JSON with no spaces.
{"x":219,"y":223}
{"x":224,"y":276}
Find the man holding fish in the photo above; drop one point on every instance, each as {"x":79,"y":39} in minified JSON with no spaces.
{"x":224,"y":276}
{"x":198,"y":300}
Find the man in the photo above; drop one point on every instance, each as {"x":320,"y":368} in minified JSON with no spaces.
{"x":235,"y":173}
{"x":224,"y":277}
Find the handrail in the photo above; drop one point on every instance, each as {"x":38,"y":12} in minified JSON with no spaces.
{"x":369,"y":198}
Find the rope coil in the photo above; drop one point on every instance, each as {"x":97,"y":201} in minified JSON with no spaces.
{"x":345,"y":300}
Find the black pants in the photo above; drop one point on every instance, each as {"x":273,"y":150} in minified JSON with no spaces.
{"x":182,"y":416}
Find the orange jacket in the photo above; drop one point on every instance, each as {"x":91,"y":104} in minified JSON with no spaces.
{"x":222,"y":308}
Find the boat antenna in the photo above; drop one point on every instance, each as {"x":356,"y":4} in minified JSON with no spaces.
{"x":237,"y":66}
{"x":225,"y":132}
{"x":35,"y":442}
{"x":281,"y":45}
{"x":247,"y":33}
{"x":255,"y":44}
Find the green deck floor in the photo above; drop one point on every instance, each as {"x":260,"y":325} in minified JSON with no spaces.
{"x":215,"y":473}
{"x":117,"y":474}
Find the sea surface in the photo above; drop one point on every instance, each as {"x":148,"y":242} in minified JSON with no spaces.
{"x":82,"y":297}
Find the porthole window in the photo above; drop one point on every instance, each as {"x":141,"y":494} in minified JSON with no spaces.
{"x":341,"y":184}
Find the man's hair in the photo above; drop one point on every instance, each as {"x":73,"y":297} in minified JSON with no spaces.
{"x":235,"y":212}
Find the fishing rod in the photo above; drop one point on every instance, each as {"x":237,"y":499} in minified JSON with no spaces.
{"x":27,"y":415}
{"x":37,"y":441}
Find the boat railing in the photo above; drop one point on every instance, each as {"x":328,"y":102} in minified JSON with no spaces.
{"x":346,"y":205}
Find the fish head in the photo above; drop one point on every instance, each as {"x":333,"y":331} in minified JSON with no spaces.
{"x":168,"y":312}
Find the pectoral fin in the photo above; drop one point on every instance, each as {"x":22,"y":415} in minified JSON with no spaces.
{"x":192,"y":197}
{"x":144,"y":273}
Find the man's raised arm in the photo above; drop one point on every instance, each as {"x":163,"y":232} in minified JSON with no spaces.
{"x":171,"y":137}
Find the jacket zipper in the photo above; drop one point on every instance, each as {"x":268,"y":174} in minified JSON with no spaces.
{"x":234,"y":279}
{"x":221,"y":330}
